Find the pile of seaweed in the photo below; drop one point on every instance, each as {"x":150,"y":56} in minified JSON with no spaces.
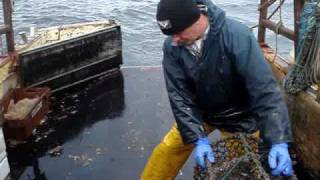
{"x":238,"y":157}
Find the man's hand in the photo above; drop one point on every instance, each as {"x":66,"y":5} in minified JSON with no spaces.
{"x":279,"y":160}
{"x":203,"y":150}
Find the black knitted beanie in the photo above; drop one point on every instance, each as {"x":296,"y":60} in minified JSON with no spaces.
{"x":173,"y":16}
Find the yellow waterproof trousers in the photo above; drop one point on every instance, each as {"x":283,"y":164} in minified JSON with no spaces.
{"x":170,"y":155}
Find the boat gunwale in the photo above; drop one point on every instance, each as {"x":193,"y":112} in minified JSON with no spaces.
{"x":26,"y":51}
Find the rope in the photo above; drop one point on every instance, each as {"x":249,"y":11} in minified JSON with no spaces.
{"x":306,"y":69}
{"x":276,"y":9}
{"x":249,"y":155}
{"x":268,"y":3}
{"x":227,"y":174}
{"x":279,"y":25}
{"x":315,"y":53}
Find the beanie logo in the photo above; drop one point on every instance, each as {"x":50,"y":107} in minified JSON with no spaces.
{"x":166,"y":24}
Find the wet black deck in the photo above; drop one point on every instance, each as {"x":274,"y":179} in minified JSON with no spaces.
{"x":106,"y":130}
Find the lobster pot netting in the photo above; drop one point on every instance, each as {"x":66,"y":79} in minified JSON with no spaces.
{"x":238,"y":157}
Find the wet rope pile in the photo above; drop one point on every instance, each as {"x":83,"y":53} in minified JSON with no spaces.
{"x":237,"y":157}
{"x":306,"y":70}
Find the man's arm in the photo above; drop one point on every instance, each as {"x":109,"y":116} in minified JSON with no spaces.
{"x":187,"y":114}
{"x":266,"y":101}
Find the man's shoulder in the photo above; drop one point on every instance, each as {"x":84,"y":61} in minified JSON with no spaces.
{"x":236,"y":32}
{"x":168,"y":47}
{"x":236,"y":27}
{"x":170,"y":52}
{"x":167,"y":44}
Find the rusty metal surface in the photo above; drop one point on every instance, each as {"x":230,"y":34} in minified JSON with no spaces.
{"x":7,"y":15}
{"x":304,"y":112}
{"x":265,"y":23}
{"x":288,"y":33}
{"x":3,"y":29}
{"x":263,"y":15}
{"x":266,"y":4}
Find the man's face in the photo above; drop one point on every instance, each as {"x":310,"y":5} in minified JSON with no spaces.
{"x":187,"y":36}
{"x":192,"y":33}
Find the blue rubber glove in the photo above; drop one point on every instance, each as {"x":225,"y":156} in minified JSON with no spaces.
{"x":279,"y":160}
{"x":203,"y":150}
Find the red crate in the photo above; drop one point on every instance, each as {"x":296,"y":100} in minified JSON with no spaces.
{"x":21,"y":129}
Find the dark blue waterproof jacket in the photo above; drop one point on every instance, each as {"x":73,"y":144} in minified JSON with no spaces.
{"x":230,"y":86}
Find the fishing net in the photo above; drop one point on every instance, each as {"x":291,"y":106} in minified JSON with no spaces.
{"x":237,"y":157}
{"x":306,"y":70}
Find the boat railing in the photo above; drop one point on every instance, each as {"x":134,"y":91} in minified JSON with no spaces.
{"x":7,"y":28}
{"x":265,"y":23}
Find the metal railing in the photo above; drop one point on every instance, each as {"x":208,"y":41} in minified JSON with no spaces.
{"x":7,"y":28}
{"x":265,"y":23}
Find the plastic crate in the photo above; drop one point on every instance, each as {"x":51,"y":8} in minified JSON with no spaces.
{"x":21,"y":129}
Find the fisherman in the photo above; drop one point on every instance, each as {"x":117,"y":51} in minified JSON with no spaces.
{"x":216,"y":78}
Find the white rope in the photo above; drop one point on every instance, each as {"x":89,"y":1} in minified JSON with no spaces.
{"x":279,"y":25}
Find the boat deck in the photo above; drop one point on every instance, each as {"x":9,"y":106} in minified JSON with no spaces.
{"x":104,"y":130}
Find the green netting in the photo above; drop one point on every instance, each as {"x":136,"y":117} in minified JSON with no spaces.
{"x":306,"y":69}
